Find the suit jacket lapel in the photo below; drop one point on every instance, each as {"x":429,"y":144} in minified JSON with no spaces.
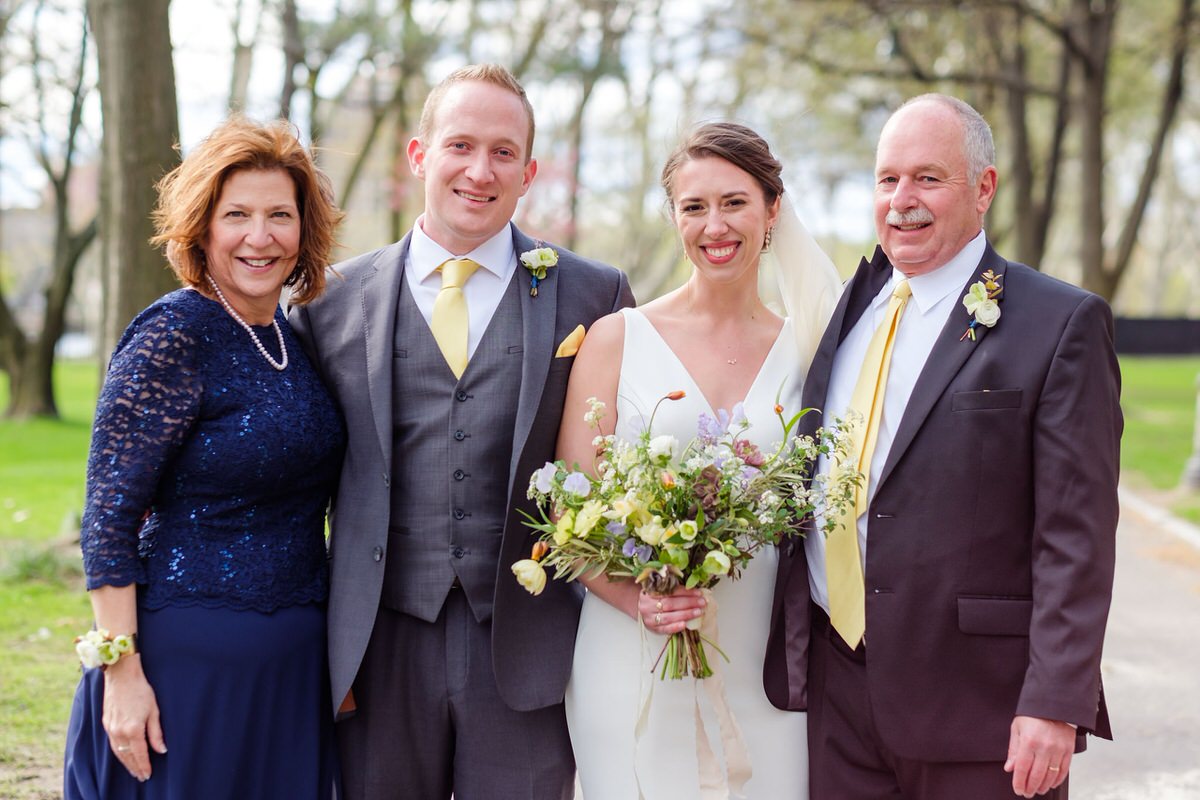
{"x":867,"y":282}
{"x":537,"y":320}
{"x":947,"y":357}
{"x":379,"y":291}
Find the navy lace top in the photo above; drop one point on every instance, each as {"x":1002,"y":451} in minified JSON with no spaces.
{"x":210,"y":471}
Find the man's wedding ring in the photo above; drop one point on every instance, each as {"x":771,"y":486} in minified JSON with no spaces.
{"x":123,"y":748}
{"x":658,"y":619}
{"x":1052,"y":769}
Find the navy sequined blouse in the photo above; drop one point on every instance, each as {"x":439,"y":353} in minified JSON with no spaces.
{"x":210,"y":471}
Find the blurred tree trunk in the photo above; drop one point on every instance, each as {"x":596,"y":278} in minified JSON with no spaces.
{"x":141,"y":129}
{"x":29,"y":361}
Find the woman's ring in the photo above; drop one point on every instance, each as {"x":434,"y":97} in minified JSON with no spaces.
{"x":123,"y":748}
{"x":658,"y":619}
{"x":658,"y":606}
{"x":1053,"y":769}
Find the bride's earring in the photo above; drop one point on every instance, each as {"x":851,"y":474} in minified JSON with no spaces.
{"x":767,"y":239}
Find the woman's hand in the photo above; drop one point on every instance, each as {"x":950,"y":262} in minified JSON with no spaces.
{"x":665,"y":614}
{"x":131,"y":716}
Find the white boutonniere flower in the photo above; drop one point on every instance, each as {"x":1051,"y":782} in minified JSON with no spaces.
{"x":537,"y":261}
{"x":982,"y":303}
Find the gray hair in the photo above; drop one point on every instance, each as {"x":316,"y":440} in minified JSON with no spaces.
{"x":978,"y":146}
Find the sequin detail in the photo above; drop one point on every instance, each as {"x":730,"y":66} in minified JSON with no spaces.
{"x":209,"y":472}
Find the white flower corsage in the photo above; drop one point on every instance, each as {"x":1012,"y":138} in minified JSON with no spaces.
{"x":537,"y":261}
{"x":981,"y":301}
{"x":99,"y":648}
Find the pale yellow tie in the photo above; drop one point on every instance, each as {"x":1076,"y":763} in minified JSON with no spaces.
{"x":449,"y":322}
{"x":843,"y":562}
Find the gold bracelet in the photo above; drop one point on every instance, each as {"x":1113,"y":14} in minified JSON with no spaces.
{"x":99,"y":648}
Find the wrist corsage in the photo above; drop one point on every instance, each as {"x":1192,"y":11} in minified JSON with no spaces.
{"x":99,"y":648}
{"x":537,"y":261}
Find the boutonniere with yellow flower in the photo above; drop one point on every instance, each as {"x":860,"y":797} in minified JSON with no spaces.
{"x":982,"y":303}
{"x":537,"y":261}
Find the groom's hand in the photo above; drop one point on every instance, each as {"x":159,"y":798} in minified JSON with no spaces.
{"x":1039,"y":754}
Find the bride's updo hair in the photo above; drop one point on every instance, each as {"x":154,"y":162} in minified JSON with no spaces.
{"x":734,"y":143}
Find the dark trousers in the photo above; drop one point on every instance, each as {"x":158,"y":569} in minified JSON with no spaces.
{"x":848,"y":759}
{"x":430,"y":721}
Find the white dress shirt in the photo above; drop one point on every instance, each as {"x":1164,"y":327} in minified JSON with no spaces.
{"x":934,"y":295}
{"x":483,"y":291}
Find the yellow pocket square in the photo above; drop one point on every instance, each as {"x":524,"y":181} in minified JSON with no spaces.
{"x":570,"y":345}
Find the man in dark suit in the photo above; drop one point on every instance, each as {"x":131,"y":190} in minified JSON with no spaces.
{"x":449,"y":357}
{"x":961,"y":658}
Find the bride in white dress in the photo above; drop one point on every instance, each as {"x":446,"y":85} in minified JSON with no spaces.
{"x":714,"y":339}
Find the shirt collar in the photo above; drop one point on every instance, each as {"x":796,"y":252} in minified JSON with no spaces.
{"x":931,"y":288}
{"x":425,"y":255}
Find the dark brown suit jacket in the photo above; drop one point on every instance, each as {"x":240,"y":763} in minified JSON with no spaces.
{"x":990,"y":557}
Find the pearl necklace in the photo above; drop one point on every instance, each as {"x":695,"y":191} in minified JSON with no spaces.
{"x":279,"y":365}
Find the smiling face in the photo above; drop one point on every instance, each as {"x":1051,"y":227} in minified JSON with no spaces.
{"x":722,"y":218}
{"x":926,"y":206}
{"x":253,"y":240}
{"x":474,"y":165}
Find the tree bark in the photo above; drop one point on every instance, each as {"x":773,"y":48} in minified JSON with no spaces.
{"x":141,"y":127}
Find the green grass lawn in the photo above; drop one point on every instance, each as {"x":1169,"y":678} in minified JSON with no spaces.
{"x":43,"y":605}
{"x":1159,"y":401}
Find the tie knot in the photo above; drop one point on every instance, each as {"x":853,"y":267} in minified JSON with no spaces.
{"x":456,"y":271}
{"x":902,"y":291}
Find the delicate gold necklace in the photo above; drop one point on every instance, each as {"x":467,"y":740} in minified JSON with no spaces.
{"x":279,"y":365}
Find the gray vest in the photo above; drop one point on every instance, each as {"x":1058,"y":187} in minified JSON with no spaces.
{"x":451,"y":449}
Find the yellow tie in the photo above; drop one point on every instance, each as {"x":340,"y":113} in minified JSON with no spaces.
{"x":449,"y":321}
{"x":843,"y":563}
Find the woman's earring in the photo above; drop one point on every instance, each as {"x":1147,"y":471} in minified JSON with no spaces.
{"x":767,"y":239}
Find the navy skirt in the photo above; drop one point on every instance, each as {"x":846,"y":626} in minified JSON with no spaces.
{"x":244,"y":701}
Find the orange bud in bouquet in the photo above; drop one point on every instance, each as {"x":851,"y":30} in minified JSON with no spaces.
{"x":678,"y":394}
{"x":667,"y":479}
{"x":540,"y":549}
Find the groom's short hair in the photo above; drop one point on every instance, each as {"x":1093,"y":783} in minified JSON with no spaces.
{"x":496,"y":75}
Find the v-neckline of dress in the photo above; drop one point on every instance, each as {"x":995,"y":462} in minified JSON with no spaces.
{"x":762,"y":368}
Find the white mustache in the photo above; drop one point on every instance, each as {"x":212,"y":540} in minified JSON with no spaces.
{"x":916,"y":216}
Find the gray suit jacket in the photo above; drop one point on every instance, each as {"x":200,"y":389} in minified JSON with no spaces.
{"x":348,"y":333}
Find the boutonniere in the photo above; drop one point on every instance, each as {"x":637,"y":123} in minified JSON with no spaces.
{"x":981,"y":302}
{"x":537,"y":261}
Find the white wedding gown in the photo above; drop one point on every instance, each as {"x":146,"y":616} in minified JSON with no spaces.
{"x":611,"y":673}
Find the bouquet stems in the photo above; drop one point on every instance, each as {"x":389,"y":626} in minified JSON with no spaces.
{"x":684,"y":655}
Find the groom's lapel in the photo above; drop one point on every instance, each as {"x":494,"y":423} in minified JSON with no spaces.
{"x":538,"y":316}
{"x":379,"y":292}
{"x":950,"y":352}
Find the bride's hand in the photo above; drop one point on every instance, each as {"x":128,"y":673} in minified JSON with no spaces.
{"x":665,"y":614}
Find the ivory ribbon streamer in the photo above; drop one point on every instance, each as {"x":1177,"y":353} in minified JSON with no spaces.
{"x":715,"y":784}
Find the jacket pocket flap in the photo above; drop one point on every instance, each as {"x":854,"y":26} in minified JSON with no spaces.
{"x":994,"y":616}
{"x":988,"y":398}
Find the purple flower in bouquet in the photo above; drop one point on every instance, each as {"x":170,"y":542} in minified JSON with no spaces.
{"x":577,"y":484}
{"x":617,"y":528}
{"x":708,"y":488}
{"x":709,"y":428}
{"x":631,"y":549}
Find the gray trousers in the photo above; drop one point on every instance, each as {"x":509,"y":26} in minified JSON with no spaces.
{"x":430,"y":721}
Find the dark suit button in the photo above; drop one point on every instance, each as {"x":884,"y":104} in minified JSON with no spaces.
{"x":459,"y":435}
{"x":461,"y":396}
{"x":377,"y":554}
{"x":459,"y":513}
{"x":790,"y":548}
{"x":386,"y":481}
{"x":457,"y":552}
{"x":459,"y":474}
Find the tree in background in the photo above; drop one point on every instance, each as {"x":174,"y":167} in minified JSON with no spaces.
{"x":141,"y":128}
{"x":53,"y":82}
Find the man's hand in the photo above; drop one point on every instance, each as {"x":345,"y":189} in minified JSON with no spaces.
{"x":1039,"y":754}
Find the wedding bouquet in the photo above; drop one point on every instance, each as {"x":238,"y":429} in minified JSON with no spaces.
{"x":668,"y":518}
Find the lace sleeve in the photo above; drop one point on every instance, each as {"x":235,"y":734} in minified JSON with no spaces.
{"x":149,"y":402}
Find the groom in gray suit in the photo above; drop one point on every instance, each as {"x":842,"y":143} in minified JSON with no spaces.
{"x":449,"y":358}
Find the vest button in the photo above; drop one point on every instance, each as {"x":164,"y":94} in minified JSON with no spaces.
{"x":386,"y":481}
{"x":459,"y":435}
{"x":377,"y":554}
{"x":457,"y":552}
{"x":459,"y":474}
{"x":459,"y":513}
{"x":460,"y":396}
